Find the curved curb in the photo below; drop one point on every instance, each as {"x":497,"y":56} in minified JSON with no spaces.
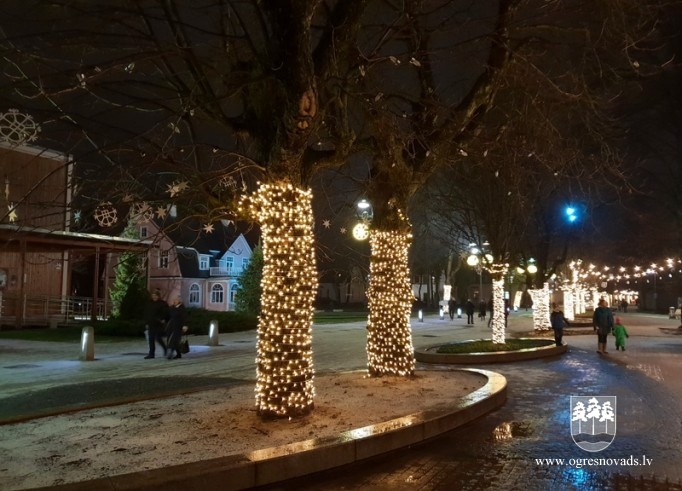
{"x":428,"y":355}
{"x":271,"y":465}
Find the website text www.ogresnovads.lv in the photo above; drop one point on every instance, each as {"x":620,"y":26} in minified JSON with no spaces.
{"x":578,"y":463}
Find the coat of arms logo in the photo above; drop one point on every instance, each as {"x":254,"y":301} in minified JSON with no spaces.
{"x":593,"y":421}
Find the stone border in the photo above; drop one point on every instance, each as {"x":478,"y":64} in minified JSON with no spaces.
{"x":271,"y":465}
{"x":428,"y":355}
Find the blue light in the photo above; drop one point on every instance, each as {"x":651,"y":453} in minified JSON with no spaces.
{"x":571,"y":214}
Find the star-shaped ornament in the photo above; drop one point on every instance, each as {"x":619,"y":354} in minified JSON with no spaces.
{"x":12,"y":213}
{"x":161,"y":212}
{"x":176,"y":188}
{"x":208,"y":228}
{"x":77,"y":216}
{"x":326,"y":223}
{"x":343,"y":230}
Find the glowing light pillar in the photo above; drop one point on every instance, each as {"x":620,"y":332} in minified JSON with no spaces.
{"x":284,"y":361}
{"x":389,"y":299}
{"x":568,"y":303}
{"x":498,"y":324}
{"x":540,"y":308}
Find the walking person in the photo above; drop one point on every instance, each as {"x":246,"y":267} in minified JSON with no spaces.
{"x":452,"y":306}
{"x":176,"y":321}
{"x":482,"y":310}
{"x":602,"y":321}
{"x":558,"y":321}
{"x":155,"y":316}
{"x":490,"y":308}
{"x":470,"y":308}
{"x":620,"y":333}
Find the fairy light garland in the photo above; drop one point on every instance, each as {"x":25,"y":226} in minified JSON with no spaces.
{"x":284,"y":361}
{"x":541,"y":309}
{"x":389,"y":295}
{"x":498,"y":323}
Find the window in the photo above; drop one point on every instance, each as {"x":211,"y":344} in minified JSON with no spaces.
{"x":194,"y":295}
{"x":233,"y":292}
{"x":163,"y":259}
{"x":143,"y":232}
{"x":217,"y":294}
{"x":229,"y":264}
{"x":245,"y":263}
{"x":203,"y":263}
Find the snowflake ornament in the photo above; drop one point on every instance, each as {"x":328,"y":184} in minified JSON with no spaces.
{"x":142,"y":211}
{"x":18,"y":128}
{"x":228,"y":182}
{"x":105,"y":215}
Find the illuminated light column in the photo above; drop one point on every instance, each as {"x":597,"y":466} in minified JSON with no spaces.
{"x":284,"y":357}
{"x":389,"y":298}
{"x":498,"y":324}
{"x":569,"y":306}
{"x":541,"y":308}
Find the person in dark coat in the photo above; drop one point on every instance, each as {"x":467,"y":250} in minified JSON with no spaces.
{"x":470,"y":308}
{"x":602,"y":320}
{"x":176,"y":322}
{"x":558,"y":321}
{"x":155,"y":316}
{"x":452,"y":307}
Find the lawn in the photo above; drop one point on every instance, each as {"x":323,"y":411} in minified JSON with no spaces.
{"x":487,"y":346}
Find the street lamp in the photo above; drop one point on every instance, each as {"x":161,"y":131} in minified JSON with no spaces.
{"x":365,"y":214}
{"x":478,"y":257}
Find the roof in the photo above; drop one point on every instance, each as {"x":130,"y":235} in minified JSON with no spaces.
{"x":191,"y":234}
{"x":44,"y":240}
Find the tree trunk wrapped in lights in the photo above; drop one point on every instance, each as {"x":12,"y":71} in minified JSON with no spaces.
{"x":541,"y":308}
{"x":569,"y":304}
{"x":499,"y":321}
{"x":284,"y":384}
{"x":389,"y":296}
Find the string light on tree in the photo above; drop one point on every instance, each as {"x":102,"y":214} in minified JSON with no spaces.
{"x":284,"y":362}
{"x":498,"y":323}
{"x":389,"y":334}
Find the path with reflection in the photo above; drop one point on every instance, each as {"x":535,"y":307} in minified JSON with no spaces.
{"x":500,"y":450}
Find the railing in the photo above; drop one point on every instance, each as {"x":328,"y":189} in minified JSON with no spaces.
{"x":222,"y":271}
{"x":46,"y":310}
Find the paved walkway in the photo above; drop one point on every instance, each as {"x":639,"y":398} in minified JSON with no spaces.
{"x":509,"y":448}
{"x":497,"y":452}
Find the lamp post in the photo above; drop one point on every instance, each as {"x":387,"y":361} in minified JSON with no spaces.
{"x":365,"y":214}
{"x":478,"y":257}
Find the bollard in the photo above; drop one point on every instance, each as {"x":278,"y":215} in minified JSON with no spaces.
{"x":420,"y":315}
{"x":87,"y":344}
{"x":441,"y":313}
{"x":213,"y":332}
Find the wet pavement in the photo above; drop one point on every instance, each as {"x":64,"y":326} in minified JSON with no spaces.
{"x":527,"y":444}
{"x":508,"y":449}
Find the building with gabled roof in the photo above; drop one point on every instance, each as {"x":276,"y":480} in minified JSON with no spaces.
{"x":201,"y":265}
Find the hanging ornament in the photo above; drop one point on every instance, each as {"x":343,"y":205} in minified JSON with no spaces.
{"x":176,"y":188}
{"x":326,"y":223}
{"x":77,"y":216}
{"x":12,"y":213}
{"x":208,"y":228}
{"x":105,"y":214}
{"x":142,"y":211}
{"x":343,"y":230}
{"x":228,"y":182}
{"x":161,"y":212}
{"x":18,"y":128}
